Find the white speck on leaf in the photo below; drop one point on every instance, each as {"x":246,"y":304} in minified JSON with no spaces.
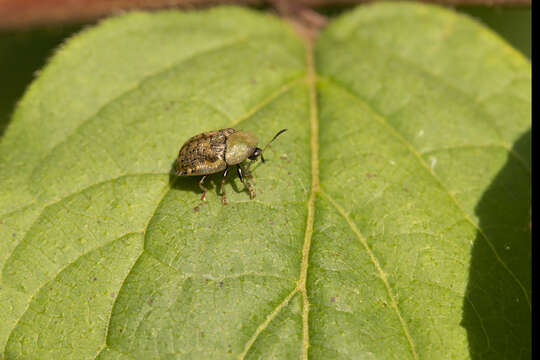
{"x":433,"y":162}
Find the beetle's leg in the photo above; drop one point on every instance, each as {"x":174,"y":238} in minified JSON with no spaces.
{"x":204,"y":190}
{"x":223,"y":196}
{"x":245,"y":181}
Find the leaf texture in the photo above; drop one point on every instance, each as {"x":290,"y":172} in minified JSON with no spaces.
{"x":391,"y":221}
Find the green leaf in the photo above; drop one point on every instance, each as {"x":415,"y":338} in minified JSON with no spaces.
{"x":392,"y":220}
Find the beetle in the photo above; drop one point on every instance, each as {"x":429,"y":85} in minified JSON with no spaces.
{"x":214,"y":151}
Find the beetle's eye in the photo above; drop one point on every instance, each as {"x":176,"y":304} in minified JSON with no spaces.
{"x":255,"y":154}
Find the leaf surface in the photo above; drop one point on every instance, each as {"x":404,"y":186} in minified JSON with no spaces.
{"x":392,"y":220}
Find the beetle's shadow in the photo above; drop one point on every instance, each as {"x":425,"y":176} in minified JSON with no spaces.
{"x":212,"y":183}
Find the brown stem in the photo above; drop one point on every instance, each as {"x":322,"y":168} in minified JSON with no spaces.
{"x":25,"y":13}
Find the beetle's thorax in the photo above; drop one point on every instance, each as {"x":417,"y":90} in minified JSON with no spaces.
{"x":239,"y":147}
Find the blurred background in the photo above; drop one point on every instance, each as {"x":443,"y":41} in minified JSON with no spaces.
{"x":31,"y":30}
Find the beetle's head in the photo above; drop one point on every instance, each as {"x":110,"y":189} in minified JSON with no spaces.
{"x":256,"y":153}
{"x":259,"y":152}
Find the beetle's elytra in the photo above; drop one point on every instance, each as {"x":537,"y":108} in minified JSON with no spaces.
{"x":214,"y":151}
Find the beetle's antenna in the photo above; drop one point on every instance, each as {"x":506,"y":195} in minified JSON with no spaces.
{"x":274,"y":138}
{"x":262,"y":151}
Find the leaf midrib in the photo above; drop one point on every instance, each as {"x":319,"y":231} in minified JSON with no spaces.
{"x":301,"y":288}
{"x":311,"y":79}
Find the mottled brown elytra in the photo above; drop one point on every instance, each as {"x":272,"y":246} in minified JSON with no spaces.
{"x":214,"y":151}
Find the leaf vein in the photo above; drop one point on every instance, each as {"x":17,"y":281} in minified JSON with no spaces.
{"x":36,"y":292}
{"x":274,"y":95}
{"x":383,"y":121}
{"x":266,"y":322}
{"x":162,"y":196}
{"x":382,"y":274}
{"x":252,"y":111}
{"x":410,"y":63}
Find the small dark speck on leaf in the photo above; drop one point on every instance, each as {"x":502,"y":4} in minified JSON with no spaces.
{"x":202,"y":334}
{"x":89,"y":298}
{"x":271,"y":222}
{"x":369,"y":176}
{"x":405,"y":189}
{"x":150,"y":302}
{"x":14,"y":235}
{"x":221,"y":284}
{"x":289,"y":173}
{"x":196,"y":209}
{"x":332,"y":299}
{"x":94,"y":279}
